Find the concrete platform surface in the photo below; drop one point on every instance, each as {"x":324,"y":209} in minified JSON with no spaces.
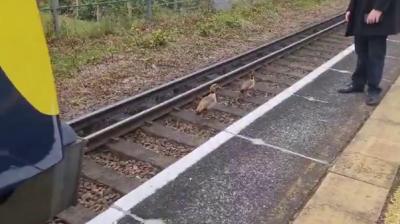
{"x":356,"y":187}
{"x":265,"y":167}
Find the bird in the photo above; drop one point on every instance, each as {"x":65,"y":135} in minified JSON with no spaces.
{"x":248,"y":84}
{"x":208,"y":101}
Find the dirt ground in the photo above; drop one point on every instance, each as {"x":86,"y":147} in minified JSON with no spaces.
{"x":133,"y":71}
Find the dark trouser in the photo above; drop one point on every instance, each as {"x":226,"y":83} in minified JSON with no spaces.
{"x":371,"y":52}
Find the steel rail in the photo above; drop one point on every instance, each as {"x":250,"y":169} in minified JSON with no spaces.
{"x":130,"y":123}
{"x":180,"y":85}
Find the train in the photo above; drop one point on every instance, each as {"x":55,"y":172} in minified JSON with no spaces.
{"x":39,"y":154}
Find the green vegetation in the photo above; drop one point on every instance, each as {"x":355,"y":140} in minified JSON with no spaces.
{"x":83,"y":42}
{"x":306,"y":3}
{"x":74,"y":28}
{"x":218,"y":23}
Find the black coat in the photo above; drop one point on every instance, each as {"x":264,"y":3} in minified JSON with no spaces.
{"x":390,"y":21}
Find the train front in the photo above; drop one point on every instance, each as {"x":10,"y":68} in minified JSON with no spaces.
{"x":34,"y":144}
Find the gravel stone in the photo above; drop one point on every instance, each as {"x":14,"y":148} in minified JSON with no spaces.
{"x":187,"y":127}
{"x":127,"y":167}
{"x":159,"y":144}
{"x":227,"y":101}
{"x":94,"y":196}
{"x":219,"y":116}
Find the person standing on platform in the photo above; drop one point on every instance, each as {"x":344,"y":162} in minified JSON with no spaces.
{"x":370,"y":22}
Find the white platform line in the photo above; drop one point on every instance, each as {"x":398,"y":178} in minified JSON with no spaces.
{"x":311,"y":99}
{"x":109,"y":216}
{"x":173,"y":171}
{"x":137,"y":218}
{"x":341,"y":71}
{"x":257,"y":141}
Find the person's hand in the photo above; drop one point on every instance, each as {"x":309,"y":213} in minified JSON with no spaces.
{"x":374,"y":16}
{"x":347,"y":17}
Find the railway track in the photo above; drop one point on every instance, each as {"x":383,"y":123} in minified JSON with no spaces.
{"x":133,"y":140}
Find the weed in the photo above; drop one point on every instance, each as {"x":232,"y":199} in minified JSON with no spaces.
{"x":217,"y":24}
{"x":228,"y":20}
{"x":207,"y":28}
{"x":154,"y":39}
{"x":305,"y":4}
{"x":65,"y":62}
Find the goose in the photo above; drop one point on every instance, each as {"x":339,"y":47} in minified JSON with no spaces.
{"x":208,"y":101}
{"x":248,"y":84}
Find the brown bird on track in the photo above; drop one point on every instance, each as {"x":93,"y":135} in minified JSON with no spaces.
{"x":248,"y":84}
{"x":208,"y":101}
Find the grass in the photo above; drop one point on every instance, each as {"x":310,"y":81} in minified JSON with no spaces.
{"x":71,"y":28}
{"x":86,"y":42}
{"x":79,"y":43}
{"x":306,"y":3}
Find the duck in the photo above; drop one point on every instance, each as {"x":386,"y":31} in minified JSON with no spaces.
{"x":248,"y":84}
{"x":208,"y":101}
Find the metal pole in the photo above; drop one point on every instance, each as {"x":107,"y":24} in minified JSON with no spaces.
{"x":77,"y":9}
{"x":149,"y":10}
{"x":54,"y":5}
{"x":129,"y":6}
{"x":98,"y":12}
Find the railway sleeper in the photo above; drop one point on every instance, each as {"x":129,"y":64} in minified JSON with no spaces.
{"x":334,"y":42}
{"x":235,"y":95}
{"x":109,"y":177}
{"x":295,"y":65}
{"x":192,"y":117}
{"x":321,"y":50}
{"x":298,"y":73}
{"x":282,"y":79}
{"x":333,"y":47}
{"x":170,"y":133}
{"x":136,"y":151}
{"x":76,"y":215}
{"x":311,"y":60}
{"x":306,"y":53}
{"x":262,"y":87}
{"x":231,"y":110}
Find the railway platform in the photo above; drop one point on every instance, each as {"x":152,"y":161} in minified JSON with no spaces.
{"x":287,"y":161}
{"x":357,"y":185}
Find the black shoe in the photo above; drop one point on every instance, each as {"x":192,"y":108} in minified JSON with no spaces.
{"x":373,"y":99}
{"x":351,"y":89}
